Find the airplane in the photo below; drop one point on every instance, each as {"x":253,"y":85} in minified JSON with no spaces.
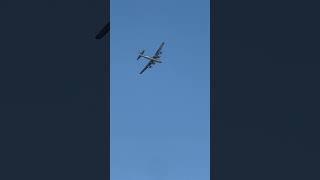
{"x":104,"y":31}
{"x":152,"y":60}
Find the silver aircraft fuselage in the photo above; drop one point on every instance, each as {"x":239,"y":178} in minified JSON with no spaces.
{"x":152,"y":59}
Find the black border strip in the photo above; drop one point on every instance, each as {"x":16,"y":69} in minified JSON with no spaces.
{"x":105,"y":31}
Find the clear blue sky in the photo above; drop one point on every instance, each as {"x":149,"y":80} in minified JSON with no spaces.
{"x":160,"y":120}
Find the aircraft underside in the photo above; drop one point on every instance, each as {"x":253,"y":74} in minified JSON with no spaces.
{"x":152,"y":60}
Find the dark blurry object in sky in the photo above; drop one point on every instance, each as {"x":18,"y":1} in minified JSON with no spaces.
{"x":152,"y":60}
{"x":104,"y":31}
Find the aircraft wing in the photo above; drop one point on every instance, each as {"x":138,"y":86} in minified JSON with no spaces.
{"x":157,"y":54}
{"x":104,"y":31}
{"x":146,"y":67}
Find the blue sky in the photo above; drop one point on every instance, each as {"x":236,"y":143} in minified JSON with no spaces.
{"x":160,"y":120}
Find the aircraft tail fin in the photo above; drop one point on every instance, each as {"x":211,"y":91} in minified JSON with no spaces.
{"x":140,"y":54}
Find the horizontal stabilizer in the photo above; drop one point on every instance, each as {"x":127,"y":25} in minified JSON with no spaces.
{"x":140,"y":54}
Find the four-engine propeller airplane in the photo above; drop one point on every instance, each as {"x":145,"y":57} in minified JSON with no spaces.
{"x":152,"y":60}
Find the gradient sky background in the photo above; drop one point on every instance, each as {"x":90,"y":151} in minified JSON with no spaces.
{"x":160,"y":119}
